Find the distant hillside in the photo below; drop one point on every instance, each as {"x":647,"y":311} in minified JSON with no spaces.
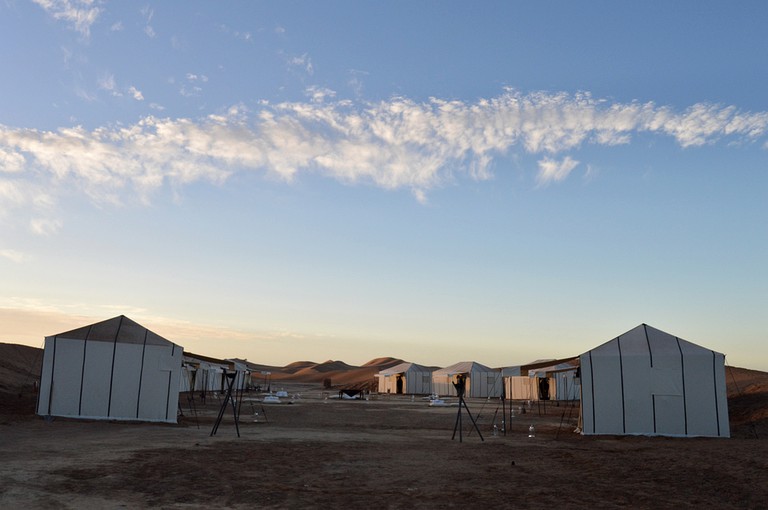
{"x":20,"y":367}
{"x":383,"y":363}
{"x":339,"y":373}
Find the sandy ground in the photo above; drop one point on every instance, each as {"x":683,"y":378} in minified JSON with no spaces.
{"x":387,"y":452}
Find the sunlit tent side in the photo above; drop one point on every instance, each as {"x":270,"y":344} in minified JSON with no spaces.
{"x":111,"y":370}
{"x":648,"y":382}
{"x":406,"y":378}
{"x":480,"y":381}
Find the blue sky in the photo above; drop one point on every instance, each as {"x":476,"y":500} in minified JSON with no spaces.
{"x":434,"y":181}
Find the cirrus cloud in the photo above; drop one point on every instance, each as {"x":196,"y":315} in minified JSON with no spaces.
{"x":78,"y":14}
{"x":393,"y":144}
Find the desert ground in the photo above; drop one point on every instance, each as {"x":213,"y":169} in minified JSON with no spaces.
{"x":316,"y":451}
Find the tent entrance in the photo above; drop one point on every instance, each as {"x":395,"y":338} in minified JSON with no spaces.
{"x":399,"y":383}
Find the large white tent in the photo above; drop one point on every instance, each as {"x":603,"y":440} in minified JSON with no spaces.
{"x":480,"y":381}
{"x":112,"y":370}
{"x":408,"y":378}
{"x":648,"y":382}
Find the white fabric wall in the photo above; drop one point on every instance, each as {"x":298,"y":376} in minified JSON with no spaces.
{"x":650,"y":382}
{"x":110,"y":380}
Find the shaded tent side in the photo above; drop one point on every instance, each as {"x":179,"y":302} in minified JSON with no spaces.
{"x":114,"y":369}
{"x":649,"y":382}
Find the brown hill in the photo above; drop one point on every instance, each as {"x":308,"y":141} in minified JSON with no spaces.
{"x":296,"y":366}
{"x":747,"y":402}
{"x":383,"y":363}
{"x":20,"y":367}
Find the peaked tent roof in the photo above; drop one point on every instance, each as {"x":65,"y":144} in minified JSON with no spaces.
{"x":464,"y":367}
{"x":117,"y":329}
{"x":404,"y":367}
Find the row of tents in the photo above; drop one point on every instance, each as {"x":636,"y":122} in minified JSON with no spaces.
{"x":549,"y":380}
{"x":644,"y":381}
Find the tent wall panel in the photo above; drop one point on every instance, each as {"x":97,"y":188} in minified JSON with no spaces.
{"x":96,"y":379}
{"x":66,"y":384}
{"x":158,"y":374}
{"x":566,"y":386}
{"x":520,"y":387}
{"x":606,"y":390}
{"x":126,"y":381}
{"x":669,"y":415}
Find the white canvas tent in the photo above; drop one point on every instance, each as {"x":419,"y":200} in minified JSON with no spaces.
{"x":649,"y":382}
{"x":527,"y":387}
{"x":111,"y":370}
{"x":562,"y":383}
{"x":207,"y":375}
{"x":480,"y":381}
{"x":405,"y":378}
{"x":524,"y":382}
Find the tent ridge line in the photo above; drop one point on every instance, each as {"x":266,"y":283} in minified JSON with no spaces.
{"x":714,"y":379}
{"x":648,"y":341}
{"x":592,"y":388}
{"x":621,"y":371}
{"x":53,"y":373}
{"x":112,"y":370}
{"x":168,"y":394}
{"x":82,"y":371}
{"x":685,"y":400}
{"x":141,"y":372}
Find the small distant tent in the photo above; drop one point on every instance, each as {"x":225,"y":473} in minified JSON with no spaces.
{"x":648,"y":382}
{"x":244,"y":369}
{"x":111,"y":370}
{"x":543,"y":380}
{"x":405,"y":378}
{"x":480,"y":381}
{"x":205,"y":374}
{"x":561,"y":381}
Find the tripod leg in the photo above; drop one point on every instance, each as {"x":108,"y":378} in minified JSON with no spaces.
{"x":218,"y":418}
{"x":473,"y":420}
{"x":457,"y":425}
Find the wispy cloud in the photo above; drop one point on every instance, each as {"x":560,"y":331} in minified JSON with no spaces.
{"x":45,"y":226}
{"x":135,"y":93}
{"x":393,"y":144}
{"x":303,"y":62}
{"x":551,"y":170}
{"x":148,"y":13}
{"x":107,"y":82}
{"x":13,"y":255}
{"x":192,"y":86}
{"x":80,"y":15}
